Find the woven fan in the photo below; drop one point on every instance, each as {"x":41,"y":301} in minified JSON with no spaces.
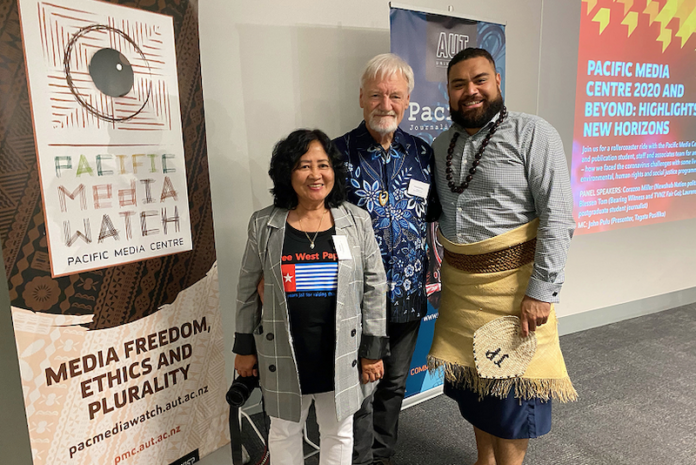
{"x":499,"y":350}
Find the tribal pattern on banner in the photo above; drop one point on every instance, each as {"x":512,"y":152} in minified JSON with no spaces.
{"x":634,"y":140}
{"x":107,"y":231}
{"x":103,"y":83}
{"x":428,"y":42}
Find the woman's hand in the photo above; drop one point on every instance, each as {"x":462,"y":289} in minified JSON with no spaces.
{"x":371,"y":370}
{"x":246,"y":365}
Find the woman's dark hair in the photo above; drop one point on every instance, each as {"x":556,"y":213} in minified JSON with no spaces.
{"x":288,"y":152}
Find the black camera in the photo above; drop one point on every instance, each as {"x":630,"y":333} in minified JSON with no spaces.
{"x":241,"y":389}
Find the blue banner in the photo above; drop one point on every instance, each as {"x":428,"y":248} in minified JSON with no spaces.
{"x":428,"y":42}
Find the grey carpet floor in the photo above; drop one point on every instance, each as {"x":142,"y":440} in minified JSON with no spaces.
{"x":637,"y":386}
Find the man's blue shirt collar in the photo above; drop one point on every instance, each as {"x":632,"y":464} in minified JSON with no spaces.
{"x":366,"y":142}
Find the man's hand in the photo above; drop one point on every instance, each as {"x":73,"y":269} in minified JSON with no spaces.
{"x":246,"y":365}
{"x":371,"y":370}
{"x":259,"y":289}
{"x":533,"y":313}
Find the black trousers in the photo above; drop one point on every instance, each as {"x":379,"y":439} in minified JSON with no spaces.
{"x":375,"y":425}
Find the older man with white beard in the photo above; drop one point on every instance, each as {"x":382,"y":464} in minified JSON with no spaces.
{"x":389,"y":176}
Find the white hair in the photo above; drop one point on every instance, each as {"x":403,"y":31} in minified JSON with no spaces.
{"x":387,"y":65}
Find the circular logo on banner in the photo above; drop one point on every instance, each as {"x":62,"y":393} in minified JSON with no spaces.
{"x":111,"y":72}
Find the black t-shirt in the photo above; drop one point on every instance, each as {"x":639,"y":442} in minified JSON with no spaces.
{"x":310,"y":277}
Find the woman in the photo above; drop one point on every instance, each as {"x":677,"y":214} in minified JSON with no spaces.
{"x":322,"y":329}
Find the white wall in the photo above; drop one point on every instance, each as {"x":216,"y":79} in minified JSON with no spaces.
{"x":271,"y":66}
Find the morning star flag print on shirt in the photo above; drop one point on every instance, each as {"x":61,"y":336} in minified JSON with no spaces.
{"x":310,"y":277}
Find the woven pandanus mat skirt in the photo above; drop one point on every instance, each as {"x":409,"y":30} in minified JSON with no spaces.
{"x":475,"y":292}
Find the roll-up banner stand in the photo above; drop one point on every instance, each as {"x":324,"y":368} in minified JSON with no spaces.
{"x":107,"y":232}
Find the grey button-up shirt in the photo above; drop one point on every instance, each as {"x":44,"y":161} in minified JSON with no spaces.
{"x":523,"y":175}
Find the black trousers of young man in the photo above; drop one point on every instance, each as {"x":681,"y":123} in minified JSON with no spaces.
{"x":375,"y":425}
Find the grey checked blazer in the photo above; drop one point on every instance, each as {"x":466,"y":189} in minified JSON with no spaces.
{"x":360,"y":311}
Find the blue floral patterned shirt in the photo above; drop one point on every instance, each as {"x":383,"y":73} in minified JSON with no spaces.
{"x":386,"y":183}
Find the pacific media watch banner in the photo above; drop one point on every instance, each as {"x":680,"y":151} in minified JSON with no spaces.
{"x":428,"y":42}
{"x":106,"y":223}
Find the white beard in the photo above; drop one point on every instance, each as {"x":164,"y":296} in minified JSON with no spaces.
{"x":383,"y":125}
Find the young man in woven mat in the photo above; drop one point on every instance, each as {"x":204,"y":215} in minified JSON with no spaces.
{"x":506,"y":226}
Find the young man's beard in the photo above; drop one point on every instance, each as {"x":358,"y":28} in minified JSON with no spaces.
{"x":477,"y":119}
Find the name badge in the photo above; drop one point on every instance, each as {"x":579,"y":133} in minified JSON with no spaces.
{"x":342,"y":247}
{"x":418,"y":188}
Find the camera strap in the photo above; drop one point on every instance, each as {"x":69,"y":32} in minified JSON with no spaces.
{"x":236,"y":440}
{"x":235,"y":437}
{"x":266,"y":459}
